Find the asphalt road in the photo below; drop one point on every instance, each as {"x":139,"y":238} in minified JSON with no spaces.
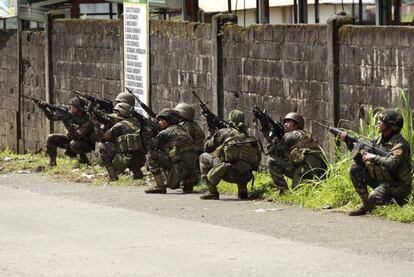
{"x":70,"y":229}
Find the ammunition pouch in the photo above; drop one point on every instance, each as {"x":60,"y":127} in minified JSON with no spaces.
{"x":130,"y":143}
{"x":241,"y":147}
{"x":378,"y":173}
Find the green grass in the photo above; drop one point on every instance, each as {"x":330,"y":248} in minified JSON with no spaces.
{"x":66,"y":169}
{"x":333,"y":192}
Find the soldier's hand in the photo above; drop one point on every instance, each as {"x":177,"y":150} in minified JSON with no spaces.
{"x":92,"y":116}
{"x":42,"y":104}
{"x":342,"y":136}
{"x":368,"y":157}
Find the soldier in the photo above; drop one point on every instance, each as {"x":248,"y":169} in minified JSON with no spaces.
{"x":81,"y":135}
{"x":390,"y":177}
{"x":230,"y":154}
{"x":297,"y":155}
{"x":187,"y":113}
{"x":171,"y":152}
{"x":122,"y":146}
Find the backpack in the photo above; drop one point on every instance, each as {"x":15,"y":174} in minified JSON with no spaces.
{"x":242,"y":147}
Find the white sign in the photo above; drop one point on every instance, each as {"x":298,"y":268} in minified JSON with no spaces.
{"x":136,"y":30}
{"x":8,"y":8}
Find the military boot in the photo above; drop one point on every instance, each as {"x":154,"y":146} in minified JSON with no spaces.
{"x":212,"y":193}
{"x":83,"y":159}
{"x":159,"y":185}
{"x":366,"y":207}
{"x":112,"y":173}
{"x":137,"y":173}
{"x":52,"y":161}
{"x":242,"y":191}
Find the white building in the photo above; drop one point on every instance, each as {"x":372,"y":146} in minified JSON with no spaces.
{"x":282,"y":11}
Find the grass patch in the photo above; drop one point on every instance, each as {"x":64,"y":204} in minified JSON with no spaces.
{"x":66,"y":169}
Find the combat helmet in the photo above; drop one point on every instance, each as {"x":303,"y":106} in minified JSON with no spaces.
{"x":78,"y":103}
{"x":124,"y":109}
{"x":392,"y":120}
{"x":297,"y":118}
{"x":236,"y":119}
{"x":170,"y":115}
{"x":125,"y":97}
{"x":186,"y":111}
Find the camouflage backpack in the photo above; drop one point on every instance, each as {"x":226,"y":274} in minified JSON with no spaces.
{"x":131,"y":142}
{"x":241,"y":147}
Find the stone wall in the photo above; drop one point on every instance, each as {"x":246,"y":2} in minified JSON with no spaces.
{"x":181,"y":62}
{"x":281,"y":68}
{"x":376,"y":65}
{"x":8,"y":88}
{"x":33,"y":119}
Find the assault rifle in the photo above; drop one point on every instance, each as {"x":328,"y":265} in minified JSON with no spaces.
{"x":102,"y":104}
{"x":359,"y":144}
{"x":213,"y":121}
{"x":146,"y":122}
{"x":268,"y":125}
{"x":143,"y":106}
{"x":54,"y":108}
{"x":101,"y":116}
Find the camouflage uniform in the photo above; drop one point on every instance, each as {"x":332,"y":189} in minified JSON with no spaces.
{"x":196,"y":134}
{"x":214,"y":166}
{"x":297,"y":156}
{"x":109,"y":150}
{"x":79,"y":140}
{"x":390,"y":177}
{"x":171,"y":152}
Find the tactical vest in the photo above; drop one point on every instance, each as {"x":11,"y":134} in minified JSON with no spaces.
{"x":306,"y":146}
{"x":182,"y":142}
{"x":240,"y":146}
{"x":131,"y":142}
{"x":382,"y":174}
{"x":196,"y":134}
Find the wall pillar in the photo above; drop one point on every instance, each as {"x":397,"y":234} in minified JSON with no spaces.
{"x":49,"y":17}
{"x":334,"y":24}
{"x":217,"y":70}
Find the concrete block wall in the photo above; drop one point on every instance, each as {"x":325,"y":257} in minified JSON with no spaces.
{"x":181,"y":62}
{"x":86,"y":57}
{"x":376,"y":64}
{"x":33,"y":118}
{"x":8,"y":88}
{"x":280,"y":68}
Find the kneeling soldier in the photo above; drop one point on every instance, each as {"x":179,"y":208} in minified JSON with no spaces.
{"x":231,"y":154}
{"x":171,"y":152}
{"x":122,"y":146}
{"x":390,"y":177}
{"x":81,"y":136}
{"x":297,"y":155}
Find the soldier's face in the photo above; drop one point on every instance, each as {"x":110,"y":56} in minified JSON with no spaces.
{"x":163,"y":123}
{"x":289,"y":125}
{"x":73,"y":109}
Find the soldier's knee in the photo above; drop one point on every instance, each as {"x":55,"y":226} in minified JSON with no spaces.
{"x":379,"y":196}
{"x":75,"y":146}
{"x":50,"y":139}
